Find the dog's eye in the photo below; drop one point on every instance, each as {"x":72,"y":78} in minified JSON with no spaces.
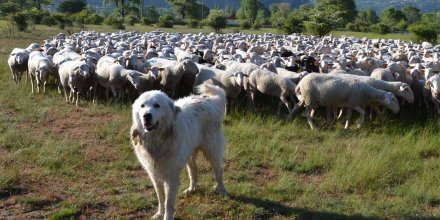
{"x":156,"y":105}
{"x":142,"y":105}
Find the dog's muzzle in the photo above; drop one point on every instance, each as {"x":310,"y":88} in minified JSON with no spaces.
{"x":149,"y":125}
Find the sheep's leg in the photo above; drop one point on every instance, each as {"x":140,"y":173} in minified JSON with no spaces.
{"x":362,"y":114}
{"x":330,"y":113}
{"x":253,"y":102}
{"x":341,"y":112}
{"x":309,"y":118}
{"x":77,"y":98}
{"x":32,"y":83}
{"x":44,"y":86}
{"x":38,"y":84}
{"x":347,"y":118}
{"x":295,"y":109}
{"x":286,"y":102}
{"x":65,"y":93}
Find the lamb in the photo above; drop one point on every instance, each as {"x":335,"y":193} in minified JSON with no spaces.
{"x":339,"y":92}
{"x":39,"y":68}
{"x":74,"y":78}
{"x":270,"y":84}
{"x":18,"y":63}
{"x":232,"y":83}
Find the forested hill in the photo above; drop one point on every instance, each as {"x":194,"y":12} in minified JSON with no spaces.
{"x":377,"y":5}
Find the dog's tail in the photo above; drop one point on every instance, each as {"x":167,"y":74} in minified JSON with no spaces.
{"x":213,"y":91}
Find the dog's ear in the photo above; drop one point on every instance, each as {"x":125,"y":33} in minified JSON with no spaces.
{"x":135,"y":136}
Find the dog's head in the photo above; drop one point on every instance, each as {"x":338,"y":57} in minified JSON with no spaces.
{"x":154,"y":111}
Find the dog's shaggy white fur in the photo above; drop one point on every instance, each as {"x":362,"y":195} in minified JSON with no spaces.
{"x":166,"y":135}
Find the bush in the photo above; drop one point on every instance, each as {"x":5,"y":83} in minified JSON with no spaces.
{"x":166,"y":21}
{"x":36,"y":16}
{"x":62,"y":20}
{"x":192,"y":23}
{"x":424,"y":32}
{"x":48,"y":20}
{"x":380,"y":28}
{"x":115,"y":22}
{"x":131,"y":20}
{"x":94,"y":19}
{"x":293,"y":24}
{"x":20,"y":20}
{"x":244,"y":25}
{"x":217,"y":20}
{"x":146,"y":21}
{"x":359,"y":26}
{"x":8,"y":8}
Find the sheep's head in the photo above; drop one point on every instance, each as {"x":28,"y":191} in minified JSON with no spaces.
{"x":83,"y":70}
{"x":434,"y":85}
{"x":134,"y":78}
{"x":406,"y":93}
{"x":391,"y":102}
{"x":239,"y":77}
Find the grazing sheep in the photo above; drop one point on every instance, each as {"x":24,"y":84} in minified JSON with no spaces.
{"x":339,"y":92}
{"x":18,"y":63}
{"x":232,"y":83}
{"x":270,"y":84}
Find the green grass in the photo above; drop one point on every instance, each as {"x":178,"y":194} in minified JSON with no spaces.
{"x":60,"y":162}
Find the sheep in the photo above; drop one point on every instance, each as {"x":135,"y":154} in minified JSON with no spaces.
{"x":232,"y":83}
{"x":339,"y":92}
{"x":74,"y":78}
{"x":270,"y":84}
{"x":111,"y":75}
{"x":18,"y":63}
{"x":433,"y":85}
{"x":39,"y":68}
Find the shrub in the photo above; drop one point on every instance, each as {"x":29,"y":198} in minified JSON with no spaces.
{"x":36,"y":16}
{"x":62,"y":20}
{"x":146,"y":21}
{"x":94,"y":19}
{"x":217,"y":20}
{"x":20,"y":20}
{"x":192,"y":23}
{"x":132,"y":20}
{"x":424,"y":32}
{"x":48,"y":20}
{"x":245,"y":25}
{"x":380,"y":28}
{"x":8,"y":8}
{"x":293,"y":24}
{"x":358,"y":25}
{"x":115,"y":22}
{"x":166,"y":21}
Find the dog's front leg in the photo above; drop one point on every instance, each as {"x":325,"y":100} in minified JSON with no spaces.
{"x":171,"y":187}
{"x":160,"y":192}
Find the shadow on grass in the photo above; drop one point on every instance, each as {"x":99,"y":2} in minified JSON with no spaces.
{"x":272,"y":209}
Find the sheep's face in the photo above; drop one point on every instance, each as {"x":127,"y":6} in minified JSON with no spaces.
{"x":391,"y":102}
{"x":154,"y":110}
{"x":43,"y":73}
{"x":406,"y":93}
{"x":239,"y":78}
{"x":84,"y":70}
{"x":434,"y":84}
{"x":134,"y":78}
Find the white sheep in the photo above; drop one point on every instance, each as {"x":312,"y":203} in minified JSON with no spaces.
{"x":270,"y":84}
{"x":433,"y":85}
{"x":339,"y":92}
{"x":18,"y":63}
{"x":39,"y":69}
{"x":75,"y":77}
{"x":232,"y":83}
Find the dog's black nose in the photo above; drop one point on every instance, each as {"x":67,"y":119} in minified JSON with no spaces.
{"x":148,"y":117}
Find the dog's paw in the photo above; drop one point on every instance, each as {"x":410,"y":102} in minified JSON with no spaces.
{"x":158,"y":215}
{"x":189,"y":191}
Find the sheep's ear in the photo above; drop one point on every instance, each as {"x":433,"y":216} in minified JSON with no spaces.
{"x":245,"y":75}
{"x":148,"y":69}
{"x":161,"y":69}
{"x":403,"y":87}
{"x":116,"y":61}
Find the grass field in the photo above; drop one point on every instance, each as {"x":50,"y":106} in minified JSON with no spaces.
{"x":58,"y":161}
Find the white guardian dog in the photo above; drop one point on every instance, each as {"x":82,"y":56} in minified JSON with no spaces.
{"x":166,"y":135}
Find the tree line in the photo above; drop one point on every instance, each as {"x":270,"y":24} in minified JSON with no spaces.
{"x":318,"y":19}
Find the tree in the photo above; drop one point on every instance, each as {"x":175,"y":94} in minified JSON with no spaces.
{"x":260,"y":20}
{"x":217,"y":20}
{"x":321,"y":22}
{"x":9,"y":8}
{"x":39,"y":3}
{"x":247,"y":13}
{"x":369,"y":16}
{"x":432,"y":18}
{"x":152,"y":14}
{"x":392,"y":17}
{"x":72,"y":6}
{"x":412,"y":14}
{"x":346,"y":8}
{"x":294,"y":23}
{"x":124,"y":7}
{"x":424,"y":32}
{"x":188,"y":9}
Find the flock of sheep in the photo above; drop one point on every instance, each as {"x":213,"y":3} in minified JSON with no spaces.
{"x":339,"y":73}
